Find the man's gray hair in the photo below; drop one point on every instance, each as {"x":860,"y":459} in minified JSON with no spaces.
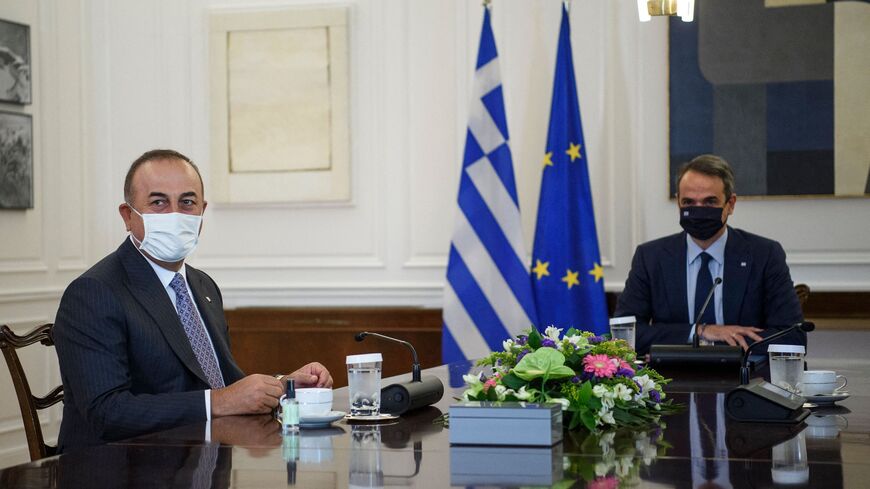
{"x":710,"y":165}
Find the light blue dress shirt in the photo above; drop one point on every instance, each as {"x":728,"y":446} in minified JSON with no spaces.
{"x":717,"y":266}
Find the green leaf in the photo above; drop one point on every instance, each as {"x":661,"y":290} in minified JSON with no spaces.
{"x":572,"y":332}
{"x":511,"y":381}
{"x":534,"y":339}
{"x":545,"y":363}
{"x":585,"y":392}
{"x":588,"y":419}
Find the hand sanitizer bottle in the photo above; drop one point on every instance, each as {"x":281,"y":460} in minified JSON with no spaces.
{"x":289,"y":409}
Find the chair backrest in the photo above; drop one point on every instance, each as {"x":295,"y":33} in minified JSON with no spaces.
{"x":29,"y":404}
{"x":803,"y":293}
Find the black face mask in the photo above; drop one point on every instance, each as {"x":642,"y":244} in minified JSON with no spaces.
{"x":701,"y":222}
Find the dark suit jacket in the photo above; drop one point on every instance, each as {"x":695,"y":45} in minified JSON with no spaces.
{"x":126,"y":363}
{"x":757,"y":289}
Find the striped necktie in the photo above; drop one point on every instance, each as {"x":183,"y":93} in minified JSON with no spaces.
{"x":195,"y":330}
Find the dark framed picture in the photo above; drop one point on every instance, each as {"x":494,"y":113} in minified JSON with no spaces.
{"x":16,"y":161}
{"x":14,"y":62}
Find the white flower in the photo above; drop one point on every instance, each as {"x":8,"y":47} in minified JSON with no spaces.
{"x":552,"y":332}
{"x":646,"y":384}
{"x":577,"y":340}
{"x":602,"y":392}
{"x":523,"y":394}
{"x":601,"y":469}
{"x":620,"y":391}
{"x":564,"y":402}
{"x":507,"y":344}
{"x":500,"y":391}
{"x":471,"y":379}
{"x":606,"y":416}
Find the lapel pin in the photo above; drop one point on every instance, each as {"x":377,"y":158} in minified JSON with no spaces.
{"x":742,"y":264}
{"x":209,"y":298}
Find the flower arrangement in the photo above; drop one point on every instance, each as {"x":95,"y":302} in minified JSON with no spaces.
{"x":592,"y":377}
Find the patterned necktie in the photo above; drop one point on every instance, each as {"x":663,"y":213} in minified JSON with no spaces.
{"x":703,"y":284}
{"x":195,"y":330}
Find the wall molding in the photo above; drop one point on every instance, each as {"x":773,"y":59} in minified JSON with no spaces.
{"x":34,"y":294}
{"x":287,"y":262}
{"x":823,"y":258}
{"x":23,"y":266}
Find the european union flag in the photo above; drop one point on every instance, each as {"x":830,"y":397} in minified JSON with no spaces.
{"x":567,"y":276}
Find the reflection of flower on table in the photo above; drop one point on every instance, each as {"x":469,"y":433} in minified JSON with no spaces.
{"x":591,"y":377}
{"x":614,"y":458}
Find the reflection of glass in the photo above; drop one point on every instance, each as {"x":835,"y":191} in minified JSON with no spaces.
{"x":290,"y":453}
{"x":825,"y":426}
{"x":790,"y":461}
{"x":365,"y":457}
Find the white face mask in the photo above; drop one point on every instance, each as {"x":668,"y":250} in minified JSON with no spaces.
{"x":169,"y":237}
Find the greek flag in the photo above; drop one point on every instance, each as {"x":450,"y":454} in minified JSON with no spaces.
{"x":488,"y":296}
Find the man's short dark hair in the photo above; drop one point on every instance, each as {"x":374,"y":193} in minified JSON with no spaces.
{"x":155,"y":155}
{"x":712,"y":166}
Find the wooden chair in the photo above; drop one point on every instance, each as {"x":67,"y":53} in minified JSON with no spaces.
{"x":30,"y":404}
{"x":803,"y":293}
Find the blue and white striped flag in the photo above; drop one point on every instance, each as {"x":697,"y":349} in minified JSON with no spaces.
{"x":488,"y":295}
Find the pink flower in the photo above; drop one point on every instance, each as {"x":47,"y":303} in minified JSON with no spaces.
{"x":604,"y":483}
{"x":489,"y":383}
{"x":599,"y":365}
{"x":625,"y":365}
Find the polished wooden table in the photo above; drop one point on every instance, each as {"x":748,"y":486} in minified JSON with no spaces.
{"x":696,"y":448}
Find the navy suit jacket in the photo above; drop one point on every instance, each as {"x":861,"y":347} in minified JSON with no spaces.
{"x":756,"y":286}
{"x":126,"y":363}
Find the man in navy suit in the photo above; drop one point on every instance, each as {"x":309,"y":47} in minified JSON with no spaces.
{"x":671,"y":277}
{"x":141,"y":337}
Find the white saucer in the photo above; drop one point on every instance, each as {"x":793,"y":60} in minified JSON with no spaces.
{"x":823,"y":400}
{"x":320,"y":420}
{"x":379,"y":417}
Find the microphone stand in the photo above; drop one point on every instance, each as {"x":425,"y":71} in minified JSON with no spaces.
{"x":805,"y":326}
{"x":415,"y":367}
{"x":696,"y":337}
{"x":407,"y":396}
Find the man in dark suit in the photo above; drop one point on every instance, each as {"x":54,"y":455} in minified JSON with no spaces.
{"x":141,"y":337}
{"x":670,"y":277}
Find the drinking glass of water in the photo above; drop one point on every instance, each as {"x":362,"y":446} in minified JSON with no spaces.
{"x":364,"y":384}
{"x":786,"y":365}
{"x":622,"y":328}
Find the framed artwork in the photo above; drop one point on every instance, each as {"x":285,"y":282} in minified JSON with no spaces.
{"x":14,"y":63}
{"x":778,"y":89}
{"x":279,"y":105}
{"x":16,"y":161}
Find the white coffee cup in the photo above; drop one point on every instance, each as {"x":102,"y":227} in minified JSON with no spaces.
{"x":821,"y":382}
{"x":314,"y":401}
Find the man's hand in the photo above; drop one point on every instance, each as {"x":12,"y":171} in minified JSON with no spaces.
{"x":733,"y":335}
{"x":255,"y":394}
{"x":312,"y":375}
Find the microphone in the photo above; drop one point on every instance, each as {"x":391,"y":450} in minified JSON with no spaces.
{"x":805,"y":326}
{"x":406,"y":396}
{"x":696,"y":338}
{"x":415,"y":368}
